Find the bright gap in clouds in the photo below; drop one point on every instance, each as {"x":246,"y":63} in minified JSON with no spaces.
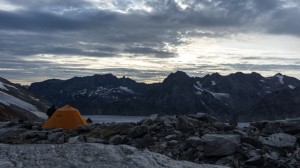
{"x":197,"y":56}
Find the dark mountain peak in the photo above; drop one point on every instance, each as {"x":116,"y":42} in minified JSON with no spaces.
{"x":216,"y":74}
{"x":109,"y":75}
{"x":178,"y":75}
{"x":255,"y":74}
{"x":237,"y":74}
{"x":278,"y":74}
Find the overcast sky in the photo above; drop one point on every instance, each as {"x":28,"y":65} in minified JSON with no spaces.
{"x":147,"y":39}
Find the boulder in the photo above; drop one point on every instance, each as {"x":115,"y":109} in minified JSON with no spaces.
{"x":254,"y":141}
{"x":94,"y":140}
{"x":56,"y":137}
{"x":182,"y":124}
{"x":296,"y":155}
{"x":107,"y":131}
{"x":138,"y":131}
{"x":77,"y":139}
{"x":220,"y":145}
{"x":143,"y":142}
{"x":116,"y":140}
{"x":193,"y":141}
{"x":153,"y":117}
{"x":280,"y":140}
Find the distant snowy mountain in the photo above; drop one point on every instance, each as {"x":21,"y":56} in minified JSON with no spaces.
{"x":217,"y":95}
{"x":17,"y":103}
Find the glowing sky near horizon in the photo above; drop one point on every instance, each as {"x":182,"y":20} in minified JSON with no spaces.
{"x":147,"y":39}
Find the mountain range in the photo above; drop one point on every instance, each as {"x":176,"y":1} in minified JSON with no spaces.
{"x":250,"y":96}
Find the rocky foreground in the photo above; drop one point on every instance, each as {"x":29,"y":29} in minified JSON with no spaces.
{"x":86,"y":155}
{"x":197,"y":138}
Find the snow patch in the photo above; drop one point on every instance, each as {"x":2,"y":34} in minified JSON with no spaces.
{"x":127,"y":89}
{"x":199,"y":91}
{"x":220,"y":95}
{"x":8,"y":100}
{"x":280,"y":78}
{"x":34,"y":98}
{"x":213,"y":83}
{"x":291,"y":86}
{"x":2,"y":86}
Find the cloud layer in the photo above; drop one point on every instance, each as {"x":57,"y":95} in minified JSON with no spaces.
{"x":53,"y":38}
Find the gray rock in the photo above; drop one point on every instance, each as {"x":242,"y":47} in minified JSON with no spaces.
{"x":219,"y":145}
{"x":240,"y":132}
{"x":94,"y":140}
{"x":56,"y":137}
{"x":226,"y":161}
{"x":146,"y":141}
{"x":254,"y":141}
{"x":41,"y":135}
{"x":203,"y":117}
{"x":139,"y":131}
{"x":86,"y":155}
{"x":153,"y":117}
{"x":116,"y":139}
{"x":167,"y":120}
{"x":296,"y":155}
{"x":77,"y":139}
{"x":5,"y":124}
{"x":280,"y":140}
{"x":193,"y":141}
{"x":222,"y":126}
{"x":182,"y":124}
{"x":10,"y":132}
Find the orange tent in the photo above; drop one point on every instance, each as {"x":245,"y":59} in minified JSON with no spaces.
{"x":66,"y":118}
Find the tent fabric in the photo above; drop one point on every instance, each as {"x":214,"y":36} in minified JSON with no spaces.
{"x":66,"y":118}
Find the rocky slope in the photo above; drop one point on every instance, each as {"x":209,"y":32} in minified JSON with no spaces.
{"x":198,"y":138}
{"x":17,"y":103}
{"x":220,"y":96}
{"x":279,"y":104}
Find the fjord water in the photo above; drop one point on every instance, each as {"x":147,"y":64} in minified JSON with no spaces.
{"x":114,"y":118}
